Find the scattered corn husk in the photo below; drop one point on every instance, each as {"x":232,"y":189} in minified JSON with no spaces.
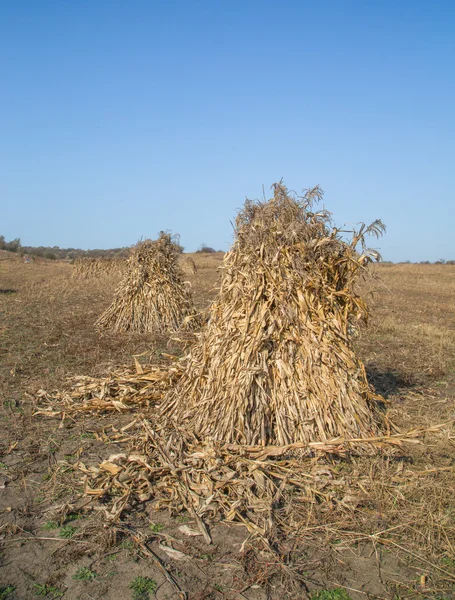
{"x":215,"y":481}
{"x":121,"y":391}
{"x":188,"y":531}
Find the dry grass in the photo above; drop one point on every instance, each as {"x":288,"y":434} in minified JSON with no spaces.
{"x":412,"y":330}
{"x":206,"y":261}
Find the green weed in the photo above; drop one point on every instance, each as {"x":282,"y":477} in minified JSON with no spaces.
{"x":448,"y":562}
{"x":112,"y":557}
{"x":72,"y":517}
{"x":112,"y":573}
{"x":6,"y":591}
{"x":182,"y":518}
{"x":11,"y":404}
{"x":67,"y":532}
{"x":41,"y":589}
{"x":207,"y":556}
{"x":85,"y":574}
{"x":142,"y":587}
{"x":127,"y":545}
{"x":52,"y":446}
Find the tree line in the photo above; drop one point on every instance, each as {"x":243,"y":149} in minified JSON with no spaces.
{"x":57,"y":253}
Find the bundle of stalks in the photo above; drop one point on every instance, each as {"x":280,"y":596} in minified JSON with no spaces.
{"x":152,"y":295}
{"x":110,"y":266}
{"x":276,"y":365}
{"x":86,"y":267}
{"x":188,"y":265}
{"x":82,"y":267}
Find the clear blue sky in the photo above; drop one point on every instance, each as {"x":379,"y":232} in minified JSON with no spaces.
{"x":121,"y":118}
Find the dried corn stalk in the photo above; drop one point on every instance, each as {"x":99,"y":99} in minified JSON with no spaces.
{"x":263,"y":488}
{"x":122,"y":390}
{"x":275,"y":365}
{"x":86,"y":267}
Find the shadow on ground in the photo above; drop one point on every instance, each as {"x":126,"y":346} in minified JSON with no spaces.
{"x":386,"y":382}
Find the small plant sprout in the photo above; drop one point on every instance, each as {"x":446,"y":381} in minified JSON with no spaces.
{"x":112,"y":557}
{"x":6,"y":591}
{"x":73,"y":517}
{"x":85,"y":574}
{"x":45,"y":590}
{"x":142,"y":587}
{"x":67,"y":532}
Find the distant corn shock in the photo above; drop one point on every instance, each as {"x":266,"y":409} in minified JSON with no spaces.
{"x":152,"y":296}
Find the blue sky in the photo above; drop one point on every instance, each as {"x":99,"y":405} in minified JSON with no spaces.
{"x":119,"y":119}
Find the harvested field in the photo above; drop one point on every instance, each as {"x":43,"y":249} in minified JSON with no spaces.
{"x":393,"y":539}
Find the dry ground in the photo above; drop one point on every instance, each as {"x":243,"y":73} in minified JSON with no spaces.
{"x":50,"y":546}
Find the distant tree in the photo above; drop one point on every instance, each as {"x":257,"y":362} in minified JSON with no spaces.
{"x":50,"y":256}
{"x":203,"y":248}
{"x":14,"y":245}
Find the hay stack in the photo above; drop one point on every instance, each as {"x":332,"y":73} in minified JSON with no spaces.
{"x":188,"y":265}
{"x":82,"y":267}
{"x":151,"y":295}
{"x":275,"y":364}
{"x":86,"y":267}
